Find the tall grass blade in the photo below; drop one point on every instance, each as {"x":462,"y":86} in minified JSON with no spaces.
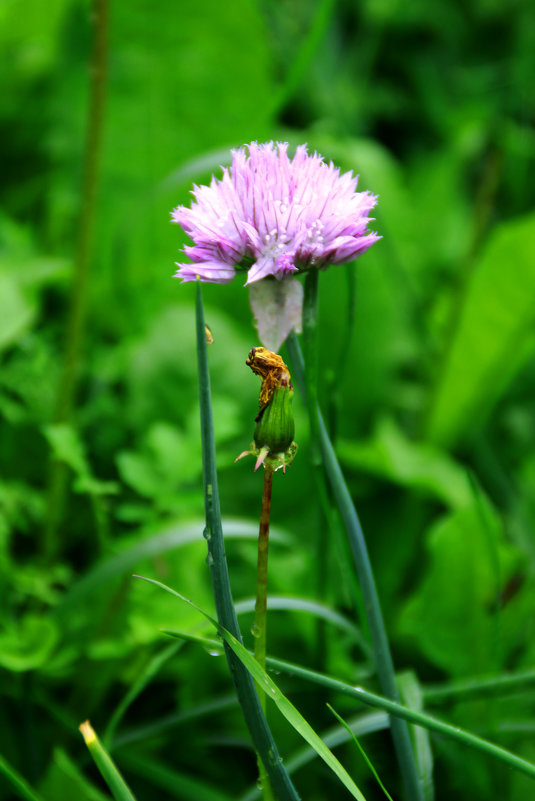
{"x":117,"y":785}
{"x":362,"y":751}
{"x":20,"y":786}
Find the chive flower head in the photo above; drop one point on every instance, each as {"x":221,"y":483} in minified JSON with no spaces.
{"x":272,"y":215}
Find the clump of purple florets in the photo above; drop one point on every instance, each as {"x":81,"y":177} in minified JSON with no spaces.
{"x":274,"y":216}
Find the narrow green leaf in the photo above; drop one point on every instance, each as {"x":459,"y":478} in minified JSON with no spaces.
{"x":362,"y":751}
{"x":292,"y":715}
{"x":176,"y":784}
{"x":117,"y":785}
{"x":163,"y":725}
{"x":359,"y":725}
{"x":411,"y":694}
{"x":410,"y":715}
{"x":150,"y":670}
{"x":19,"y":784}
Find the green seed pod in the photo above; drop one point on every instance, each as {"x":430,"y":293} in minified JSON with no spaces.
{"x":275,"y":429}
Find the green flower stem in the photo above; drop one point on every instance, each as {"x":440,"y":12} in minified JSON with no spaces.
{"x":226,"y":614}
{"x":82,"y":262}
{"x":381,"y":649}
{"x":260,"y":620}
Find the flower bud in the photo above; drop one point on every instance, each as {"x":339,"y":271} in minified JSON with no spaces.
{"x":275,"y":427}
{"x":273,"y":444}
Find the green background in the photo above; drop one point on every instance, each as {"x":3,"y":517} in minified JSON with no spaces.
{"x":429,"y":394}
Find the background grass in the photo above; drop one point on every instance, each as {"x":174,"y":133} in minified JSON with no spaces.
{"x":428,"y":398}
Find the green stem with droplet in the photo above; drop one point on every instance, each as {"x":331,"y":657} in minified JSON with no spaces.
{"x":260,"y":620}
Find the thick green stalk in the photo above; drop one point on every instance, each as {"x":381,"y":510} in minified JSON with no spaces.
{"x":381,"y":649}
{"x":226,"y":614}
{"x":82,"y":261}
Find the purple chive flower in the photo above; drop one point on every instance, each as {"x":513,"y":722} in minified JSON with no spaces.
{"x":274,"y":216}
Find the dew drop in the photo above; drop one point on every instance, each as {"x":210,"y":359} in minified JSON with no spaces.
{"x":209,"y":559}
{"x":255,"y":631}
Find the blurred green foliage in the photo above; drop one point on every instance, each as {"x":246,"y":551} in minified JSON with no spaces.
{"x":429,"y":396}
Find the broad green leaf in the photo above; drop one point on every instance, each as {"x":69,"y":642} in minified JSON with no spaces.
{"x":65,"y":780}
{"x":493,"y":337}
{"x":287,"y":709}
{"x":389,"y":454}
{"x":17,"y":311}
{"x":67,"y":447}
{"x":454,"y":614}
{"x":27,"y":643}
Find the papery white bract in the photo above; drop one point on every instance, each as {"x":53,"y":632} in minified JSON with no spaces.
{"x":274,"y":216}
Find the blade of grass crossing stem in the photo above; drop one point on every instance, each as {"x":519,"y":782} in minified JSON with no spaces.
{"x":247,"y":695}
{"x":287,"y":709}
{"x":379,"y":702}
{"x":411,"y":715}
{"x":362,"y":751}
{"x":360,"y":725}
{"x":117,"y":785}
{"x":381,"y":648}
{"x":20,"y":786}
